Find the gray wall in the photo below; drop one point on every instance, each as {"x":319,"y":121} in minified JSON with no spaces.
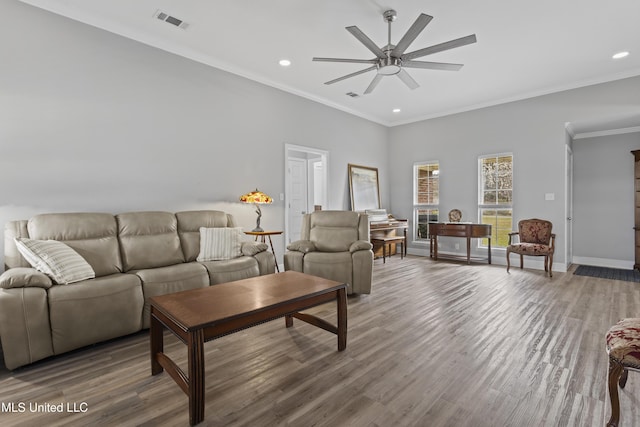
{"x":603,"y":194}
{"x":91,"y":121}
{"x":533,"y":130}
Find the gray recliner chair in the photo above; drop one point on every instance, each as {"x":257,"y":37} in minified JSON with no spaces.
{"x":334,"y":245}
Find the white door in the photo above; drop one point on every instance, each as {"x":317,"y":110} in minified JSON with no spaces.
{"x":297,"y":196}
{"x":569,"y":207}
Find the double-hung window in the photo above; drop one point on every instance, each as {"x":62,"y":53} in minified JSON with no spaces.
{"x":495,"y":197}
{"x":426,"y":197}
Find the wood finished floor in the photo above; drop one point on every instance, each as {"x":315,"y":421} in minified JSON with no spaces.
{"x":435,"y":344}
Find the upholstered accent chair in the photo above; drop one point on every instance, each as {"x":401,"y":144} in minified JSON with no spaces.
{"x":334,"y":245}
{"x":623,"y":347}
{"x":535,"y":239}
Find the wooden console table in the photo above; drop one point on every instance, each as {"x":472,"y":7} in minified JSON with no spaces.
{"x":387,"y":229}
{"x":468,"y":231}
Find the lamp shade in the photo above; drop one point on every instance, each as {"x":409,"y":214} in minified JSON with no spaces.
{"x":256,"y":197}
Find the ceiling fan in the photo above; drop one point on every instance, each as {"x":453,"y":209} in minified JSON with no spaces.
{"x":391,"y":60}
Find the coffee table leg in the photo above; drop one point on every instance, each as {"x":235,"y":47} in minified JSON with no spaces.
{"x":342,"y":319}
{"x":157,"y":343}
{"x":196,"y":376}
{"x":288,"y":320}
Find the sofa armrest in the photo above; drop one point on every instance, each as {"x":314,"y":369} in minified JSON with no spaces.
{"x":303,"y":246}
{"x":23,"y":277}
{"x":252,"y":248}
{"x":360,"y":245}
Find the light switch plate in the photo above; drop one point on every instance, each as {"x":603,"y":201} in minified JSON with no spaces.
{"x":549,"y":196}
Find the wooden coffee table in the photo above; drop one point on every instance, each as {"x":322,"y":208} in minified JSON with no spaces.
{"x":201,"y":315}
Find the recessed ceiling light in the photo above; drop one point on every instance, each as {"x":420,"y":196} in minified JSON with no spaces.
{"x":620,"y":55}
{"x":396,"y":110}
{"x":285,"y":62}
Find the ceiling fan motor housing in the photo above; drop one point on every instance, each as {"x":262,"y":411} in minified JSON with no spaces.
{"x":389,"y":66}
{"x":389,"y":15}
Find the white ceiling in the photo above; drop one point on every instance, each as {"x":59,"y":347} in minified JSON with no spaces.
{"x":524,"y":48}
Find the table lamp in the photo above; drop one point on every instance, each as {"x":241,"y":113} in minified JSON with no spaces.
{"x":257,"y":198}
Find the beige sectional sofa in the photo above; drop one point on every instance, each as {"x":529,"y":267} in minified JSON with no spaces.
{"x":134,"y":255}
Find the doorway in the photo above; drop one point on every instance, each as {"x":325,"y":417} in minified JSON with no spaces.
{"x":306,"y":183}
{"x":568,"y":191}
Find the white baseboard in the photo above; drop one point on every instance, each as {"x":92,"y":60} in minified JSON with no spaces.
{"x":603,"y":262}
{"x":499,"y":258}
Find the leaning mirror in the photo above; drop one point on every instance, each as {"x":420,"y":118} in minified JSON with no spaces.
{"x":364,"y":188}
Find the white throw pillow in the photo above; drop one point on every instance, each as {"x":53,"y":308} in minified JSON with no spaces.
{"x":219,"y":243}
{"x":55,"y":259}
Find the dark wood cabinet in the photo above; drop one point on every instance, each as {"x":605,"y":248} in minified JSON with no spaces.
{"x":636,"y":207}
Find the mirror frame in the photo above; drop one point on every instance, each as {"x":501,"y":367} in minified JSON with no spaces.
{"x":364,"y":187}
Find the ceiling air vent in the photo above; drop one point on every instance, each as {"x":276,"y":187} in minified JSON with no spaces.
{"x":352,"y":94}
{"x":170,"y":19}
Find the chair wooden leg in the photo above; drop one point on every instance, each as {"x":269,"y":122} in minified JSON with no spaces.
{"x":508,"y":263}
{"x":623,"y":378}
{"x":550,"y":265}
{"x":546,"y":263}
{"x":615,"y":373}
{"x":521,"y":261}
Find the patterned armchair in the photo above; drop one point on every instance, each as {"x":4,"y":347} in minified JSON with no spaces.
{"x":535,"y":239}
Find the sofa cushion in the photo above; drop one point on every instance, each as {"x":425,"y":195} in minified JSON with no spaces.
{"x":232,"y":269}
{"x":55,"y":259}
{"x":189,"y":223}
{"x":85,"y":313}
{"x":167,"y":280}
{"x":94,"y":236}
{"x":149,"y":240}
{"x":333,"y":231}
{"x":219,"y":243}
{"x":336,"y":266}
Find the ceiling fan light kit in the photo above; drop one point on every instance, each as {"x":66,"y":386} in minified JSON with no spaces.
{"x":391,"y":60}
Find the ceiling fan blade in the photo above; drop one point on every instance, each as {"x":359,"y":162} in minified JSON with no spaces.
{"x":373,"y":83}
{"x":411,"y":34}
{"x":408,"y":80}
{"x":330,"y":82}
{"x":362,"y":37}
{"x":451,"y":44}
{"x":354,"y":61}
{"x":432,"y":65}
